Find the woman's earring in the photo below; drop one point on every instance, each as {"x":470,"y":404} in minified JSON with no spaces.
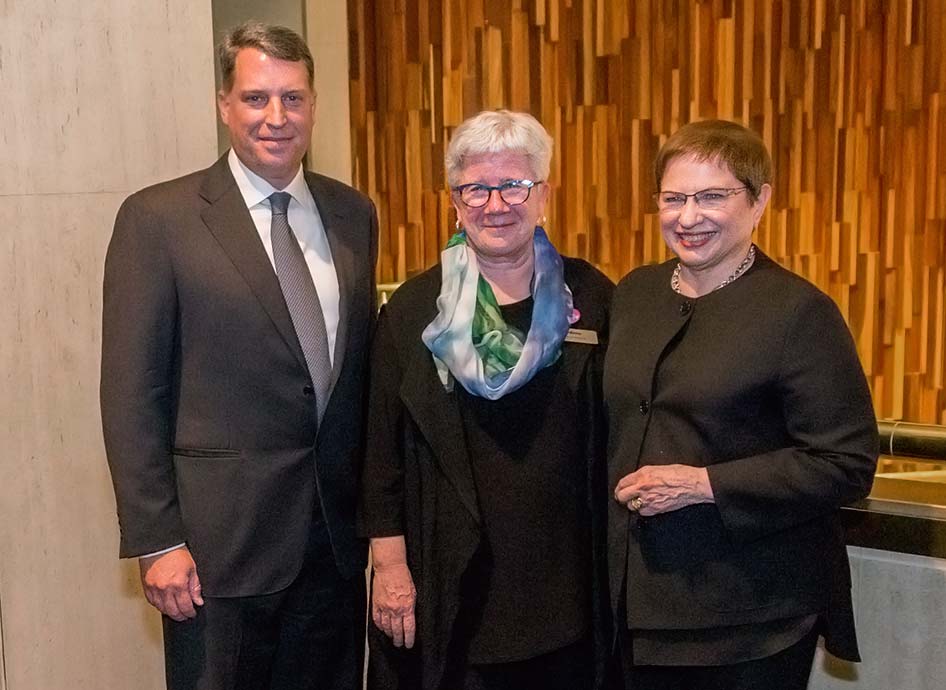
{"x":457,"y":225}
{"x":543,"y":221}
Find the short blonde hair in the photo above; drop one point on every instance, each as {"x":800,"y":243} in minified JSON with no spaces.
{"x":727,"y":143}
{"x":495,"y":131}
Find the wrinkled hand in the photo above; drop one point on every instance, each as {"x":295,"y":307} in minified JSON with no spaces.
{"x":171,"y":584}
{"x":663,"y":488}
{"x":392,"y":603}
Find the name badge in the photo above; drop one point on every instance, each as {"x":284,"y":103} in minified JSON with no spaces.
{"x":581,"y":335}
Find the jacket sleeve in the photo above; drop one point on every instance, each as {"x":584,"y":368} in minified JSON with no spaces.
{"x":381,"y":498}
{"x":829,"y":419}
{"x":139,"y":332}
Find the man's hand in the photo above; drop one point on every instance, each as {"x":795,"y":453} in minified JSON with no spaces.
{"x":171,"y":584}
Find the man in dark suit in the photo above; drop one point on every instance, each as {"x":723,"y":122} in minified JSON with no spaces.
{"x":238,"y":302}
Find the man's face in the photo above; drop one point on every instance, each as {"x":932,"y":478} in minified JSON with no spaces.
{"x":269,"y":111}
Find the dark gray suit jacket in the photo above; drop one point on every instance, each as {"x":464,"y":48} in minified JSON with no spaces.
{"x":208,"y":413}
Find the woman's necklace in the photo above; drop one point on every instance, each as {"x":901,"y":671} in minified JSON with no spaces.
{"x":740,"y":269}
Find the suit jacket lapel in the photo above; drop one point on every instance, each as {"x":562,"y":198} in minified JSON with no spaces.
{"x":229,"y":221}
{"x":333,"y":220}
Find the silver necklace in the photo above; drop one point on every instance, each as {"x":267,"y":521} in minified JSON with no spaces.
{"x":740,"y":269}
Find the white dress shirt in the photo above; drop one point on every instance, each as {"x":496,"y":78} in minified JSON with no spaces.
{"x":306,"y":224}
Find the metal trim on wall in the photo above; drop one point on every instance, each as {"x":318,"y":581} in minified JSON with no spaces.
{"x":912,"y":440}
{"x":896,"y":526}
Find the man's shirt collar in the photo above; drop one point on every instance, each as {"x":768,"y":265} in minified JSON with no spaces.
{"x":256,"y":190}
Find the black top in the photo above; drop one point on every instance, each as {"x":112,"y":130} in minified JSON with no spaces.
{"x":418,"y":479}
{"x":528,"y":590}
{"x":760,"y":383}
{"x":672,"y":435}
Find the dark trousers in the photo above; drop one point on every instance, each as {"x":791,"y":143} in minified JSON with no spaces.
{"x":786,"y":670}
{"x":308,"y":636}
{"x":568,"y":668}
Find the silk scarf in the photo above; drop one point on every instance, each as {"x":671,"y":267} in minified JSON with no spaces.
{"x":469,"y":339}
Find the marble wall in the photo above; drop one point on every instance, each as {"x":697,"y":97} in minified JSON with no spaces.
{"x":327,"y":33}
{"x":100,"y":97}
{"x":900,"y":606}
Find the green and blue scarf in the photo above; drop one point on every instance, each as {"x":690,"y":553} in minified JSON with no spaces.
{"x":469,"y":339}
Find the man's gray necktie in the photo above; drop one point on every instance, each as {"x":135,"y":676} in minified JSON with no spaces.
{"x":301,"y":299}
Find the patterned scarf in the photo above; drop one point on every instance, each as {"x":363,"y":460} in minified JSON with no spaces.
{"x":469,"y":338}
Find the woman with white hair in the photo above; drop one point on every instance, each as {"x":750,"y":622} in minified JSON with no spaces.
{"x":483,"y":441}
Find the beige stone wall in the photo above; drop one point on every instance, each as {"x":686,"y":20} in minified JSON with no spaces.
{"x":100,"y":97}
{"x":327,"y":34}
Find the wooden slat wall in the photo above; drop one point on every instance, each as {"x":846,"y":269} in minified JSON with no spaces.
{"x":849,"y":95}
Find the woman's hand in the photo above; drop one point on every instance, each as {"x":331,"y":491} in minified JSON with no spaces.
{"x":392,"y":591}
{"x":655,"y":489}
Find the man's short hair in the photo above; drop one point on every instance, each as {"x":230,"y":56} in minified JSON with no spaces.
{"x":278,"y":42}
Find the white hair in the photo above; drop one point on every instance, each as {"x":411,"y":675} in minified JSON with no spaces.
{"x":495,"y":131}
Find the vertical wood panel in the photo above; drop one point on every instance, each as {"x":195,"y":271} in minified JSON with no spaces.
{"x":847,"y":94}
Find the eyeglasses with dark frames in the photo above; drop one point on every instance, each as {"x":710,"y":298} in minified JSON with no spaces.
{"x":706,"y":199}
{"x":512,"y":192}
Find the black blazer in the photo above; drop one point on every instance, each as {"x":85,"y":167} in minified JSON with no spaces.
{"x":209,"y":419}
{"x":771,"y":398}
{"x":418,"y":480}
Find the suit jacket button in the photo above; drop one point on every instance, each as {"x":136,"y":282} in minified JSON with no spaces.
{"x":308,"y":390}
{"x":685,"y":308}
{"x":644,"y":407}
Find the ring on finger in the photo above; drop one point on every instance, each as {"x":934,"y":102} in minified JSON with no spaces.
{"x":636,"y":503}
